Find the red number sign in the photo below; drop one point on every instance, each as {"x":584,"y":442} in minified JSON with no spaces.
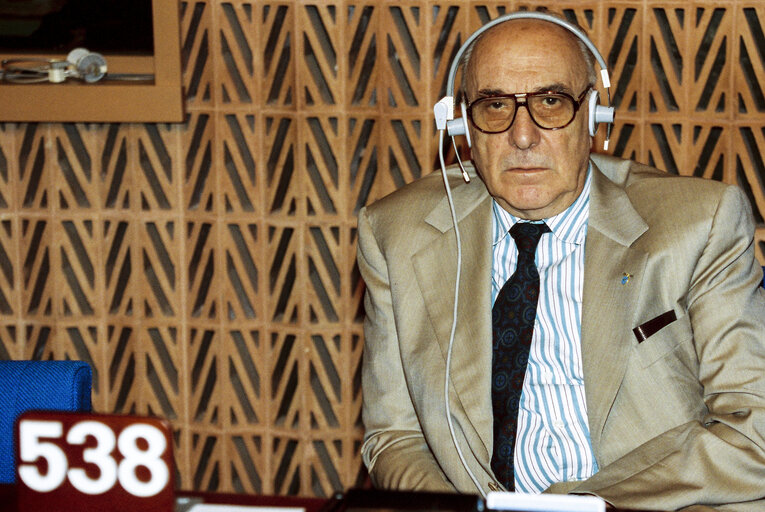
{"x":93,"y":462}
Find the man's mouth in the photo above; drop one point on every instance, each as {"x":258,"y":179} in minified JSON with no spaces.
{"x":526,"y":169}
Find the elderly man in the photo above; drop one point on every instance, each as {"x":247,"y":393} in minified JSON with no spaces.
{"x":645,"y":375}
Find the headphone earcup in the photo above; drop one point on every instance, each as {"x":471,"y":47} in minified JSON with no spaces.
{"x":88,"y":66}
{"x":598,"y":113}
{"x":592,"y":107}
{"x":463,"y":108}
{"x":459,"y":126}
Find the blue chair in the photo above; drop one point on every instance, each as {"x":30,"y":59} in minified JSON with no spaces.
{"x":37,"y":385}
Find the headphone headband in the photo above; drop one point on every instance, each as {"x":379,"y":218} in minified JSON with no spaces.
{"x":578,"y":32}
{"x":444,"y":109}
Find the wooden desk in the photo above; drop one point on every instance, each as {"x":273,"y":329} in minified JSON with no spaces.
{"x":8,"y":500}
{"x":309,"y":504}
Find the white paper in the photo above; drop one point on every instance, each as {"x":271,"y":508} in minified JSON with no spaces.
{"x":544,"y":502}
{"x":212,"y":507}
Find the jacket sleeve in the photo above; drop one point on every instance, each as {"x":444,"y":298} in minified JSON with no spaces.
{"x":722,"y":458}
{"x":394,"y":450}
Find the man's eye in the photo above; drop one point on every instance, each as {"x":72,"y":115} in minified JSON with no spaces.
{"x":497,"y":105}
{"x":551,"y":101}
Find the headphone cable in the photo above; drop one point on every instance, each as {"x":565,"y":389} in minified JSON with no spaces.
{"x":454,"y":312}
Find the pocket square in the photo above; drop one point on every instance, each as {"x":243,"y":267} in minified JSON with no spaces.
{"x":652,"y":326}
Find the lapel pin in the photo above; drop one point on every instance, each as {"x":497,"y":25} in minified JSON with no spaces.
{"x":626,"y":278}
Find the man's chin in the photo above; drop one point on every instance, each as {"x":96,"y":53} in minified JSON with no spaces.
{"x":525,"y":209}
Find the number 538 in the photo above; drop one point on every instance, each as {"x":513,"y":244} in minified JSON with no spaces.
{"x":139,"y":444}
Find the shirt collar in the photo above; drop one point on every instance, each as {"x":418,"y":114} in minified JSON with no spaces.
{"x":569,"y":226}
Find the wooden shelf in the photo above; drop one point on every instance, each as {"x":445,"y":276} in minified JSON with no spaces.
{"x":160,"y":100}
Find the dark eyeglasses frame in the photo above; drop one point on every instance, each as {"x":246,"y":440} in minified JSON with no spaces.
{"x":521,"y":100}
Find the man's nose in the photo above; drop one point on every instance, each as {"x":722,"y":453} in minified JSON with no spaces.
{"x":524,"y":133}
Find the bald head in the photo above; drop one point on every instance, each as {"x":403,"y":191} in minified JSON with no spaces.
{"x":553,"y":38}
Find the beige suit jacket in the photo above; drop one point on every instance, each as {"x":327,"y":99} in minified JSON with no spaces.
{"x":678,"y":419}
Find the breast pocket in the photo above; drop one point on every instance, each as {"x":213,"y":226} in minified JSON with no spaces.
{"x":664,"y":341}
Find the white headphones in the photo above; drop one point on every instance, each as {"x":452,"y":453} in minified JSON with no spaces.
{"x":444,"y":109}
{"x":80,"y":63}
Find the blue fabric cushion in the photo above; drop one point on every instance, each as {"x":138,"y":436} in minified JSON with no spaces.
{"x":37,"y":385}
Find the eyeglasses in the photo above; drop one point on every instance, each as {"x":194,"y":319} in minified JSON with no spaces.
{"x":548,"y":110}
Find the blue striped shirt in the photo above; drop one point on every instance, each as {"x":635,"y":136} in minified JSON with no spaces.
{"x":553,"y":437}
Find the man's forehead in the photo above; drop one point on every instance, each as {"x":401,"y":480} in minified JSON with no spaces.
{"x":522,"y":28}
{"x":536,"y":53}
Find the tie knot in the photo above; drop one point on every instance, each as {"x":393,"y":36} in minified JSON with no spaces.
{"x":527,"y":235}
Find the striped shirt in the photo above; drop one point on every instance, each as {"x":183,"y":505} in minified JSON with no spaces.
{"x":553,"y":437}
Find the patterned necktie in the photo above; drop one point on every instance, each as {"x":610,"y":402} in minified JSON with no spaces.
{"x":512,"y":319}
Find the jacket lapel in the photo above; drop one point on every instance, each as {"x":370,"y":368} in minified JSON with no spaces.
{"x":613,"y":277}
{"x":435,"y":268}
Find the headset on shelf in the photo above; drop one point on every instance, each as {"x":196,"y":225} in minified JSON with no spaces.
{"x":80,"y":63}
{"x":446,"y":122}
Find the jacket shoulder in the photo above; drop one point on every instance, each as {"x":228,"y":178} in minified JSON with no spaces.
{"x":634,"y":176}
{"x":663,"y":198}
{"x":413,"y":202}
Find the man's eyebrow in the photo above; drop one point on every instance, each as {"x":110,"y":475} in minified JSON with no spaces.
{"x":553,"y":87}
{"x":491,"y":92}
